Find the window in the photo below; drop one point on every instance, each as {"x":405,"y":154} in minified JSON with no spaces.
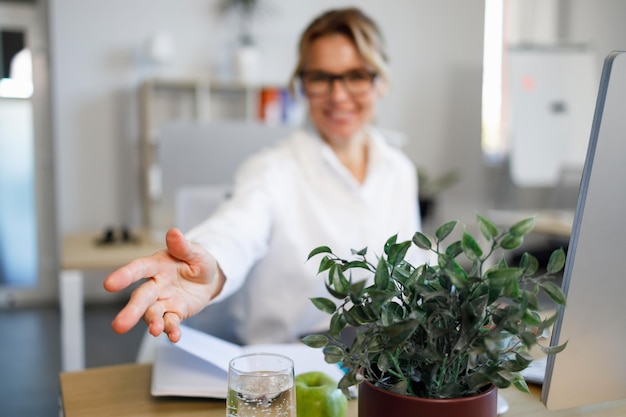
{"x":16,"y":78}
{"x":493,"y":142}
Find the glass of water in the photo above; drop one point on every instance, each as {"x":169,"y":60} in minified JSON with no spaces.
{"x":261,"y":385}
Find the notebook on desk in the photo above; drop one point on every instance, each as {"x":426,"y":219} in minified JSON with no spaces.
{"x":197,"y":366}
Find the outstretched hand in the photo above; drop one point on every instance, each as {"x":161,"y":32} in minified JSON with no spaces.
{"x":179,"y":282}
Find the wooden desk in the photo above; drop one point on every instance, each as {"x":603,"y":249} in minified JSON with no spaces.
{"x":124,"y":390}
{"x":550,"y":222}
{"x":79,"y":254}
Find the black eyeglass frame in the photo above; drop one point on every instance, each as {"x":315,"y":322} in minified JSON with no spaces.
{"x":331,"y":78}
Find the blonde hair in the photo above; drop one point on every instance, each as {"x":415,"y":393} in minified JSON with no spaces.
{"x":356,"y":26}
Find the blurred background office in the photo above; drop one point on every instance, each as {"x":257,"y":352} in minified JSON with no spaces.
{"x":463,"y":83}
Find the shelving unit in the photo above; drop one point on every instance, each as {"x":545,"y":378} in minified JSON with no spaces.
{"x":169,"y":100}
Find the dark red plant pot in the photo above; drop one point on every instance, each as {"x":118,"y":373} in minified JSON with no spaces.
{"x":376,"y":402}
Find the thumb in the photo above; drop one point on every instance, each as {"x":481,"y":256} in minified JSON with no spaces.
{"x":201,"y":263}
{"x":178,"y":246}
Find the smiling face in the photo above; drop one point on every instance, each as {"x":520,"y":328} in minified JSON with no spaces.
{"x":339,"y":115}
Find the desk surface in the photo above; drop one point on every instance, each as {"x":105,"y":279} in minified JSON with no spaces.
{"x":124,"y":390}
{"x":551,"y":222}
{"x":80,"y":251}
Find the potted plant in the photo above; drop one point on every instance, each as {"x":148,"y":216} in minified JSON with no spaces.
{"x":452,"y":330}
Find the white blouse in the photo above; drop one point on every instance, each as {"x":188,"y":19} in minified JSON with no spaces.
{"x":287,"y":200}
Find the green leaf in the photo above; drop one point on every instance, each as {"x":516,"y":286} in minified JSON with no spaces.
{"x":337,"y":324}
{"x":355,"y":318}
{"x":477,"y":306}
{"x":457,"y":276}
{"x":397,"y":252}
{"x":363,"y":313}
{"x":315,"y":340}
{"x":391,"y":312}
{"x":520,"y":384}
{"x":400,"y":387}
{"x":318,"y":250}
{"x":511,"y":289}
{"x":402,"y":272}
{"x":529,"y":338}
{"x":333,"y":354}
{"x":530,"y":263}
{"x":361,"y":252}
{"x":523,"y":227}
{"x":556,"y":262}
{"x":499,"y":278}
{"x":338,"y":295}
{"x":511,"y":241}
{"x":391,"y":241}
{"x":455,"y":249}
{"x":356,"y":290}
{"x":339,"y":281}
{"x":531,"y":318}
{"x":498,"y":380}
{"x":398,"y":333}
{"x":380,"y":297}
{"x":554,"y":292}
{"x":545,"y":324}
{"x":444,"y":230}
{"x":383,"y":362}
{"x":324,"y":304}
{"x":487,"y":228}
{"x":355,"y":264}
{"x":551,"y":350}
{"x":325,"y":264}
{"x":421,"y":241}
{"x":470,"y":247}
{"x":381,"y":277}
{"x":524,"y":357}
{"x":348,"y":380}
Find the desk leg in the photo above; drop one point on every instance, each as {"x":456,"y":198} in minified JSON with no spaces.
{"x":72,"y":321}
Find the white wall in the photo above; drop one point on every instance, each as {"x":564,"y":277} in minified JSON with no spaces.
{"x":599,"y":24}
{"x":436,"y":56}
{"x":435,"y":48}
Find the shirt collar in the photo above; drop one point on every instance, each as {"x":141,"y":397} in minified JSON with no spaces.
{"x":378,"y":157}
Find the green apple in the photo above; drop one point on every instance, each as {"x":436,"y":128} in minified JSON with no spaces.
{"x":317,"y":395}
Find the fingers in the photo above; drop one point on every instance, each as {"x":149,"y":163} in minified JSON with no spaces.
{"x":149,"y":266}
{"x":162,"y":321}
{"x":137,"y":307}
{"x":154,"y":318}
{"x":172,"y":323}
{"x":134,"y":271}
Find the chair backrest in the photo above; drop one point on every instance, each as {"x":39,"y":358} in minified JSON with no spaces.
{"x":195,"y":203}
{"x":191,"y":154}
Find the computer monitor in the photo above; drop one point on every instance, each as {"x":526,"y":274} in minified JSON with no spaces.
{"x":592,"y":369}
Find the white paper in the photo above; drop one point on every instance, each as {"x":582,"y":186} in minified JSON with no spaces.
{"x":197,"y":366}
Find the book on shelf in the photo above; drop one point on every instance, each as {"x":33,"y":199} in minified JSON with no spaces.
{"x":197,"y":366}
{"x":278,"y":106}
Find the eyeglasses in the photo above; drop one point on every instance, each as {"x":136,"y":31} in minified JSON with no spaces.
{"x":358,"y":81}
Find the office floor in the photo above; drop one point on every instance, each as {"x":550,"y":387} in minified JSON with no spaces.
{"x":30,"y":355}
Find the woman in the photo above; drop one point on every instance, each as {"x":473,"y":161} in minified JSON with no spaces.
{"x":337,"y":183}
